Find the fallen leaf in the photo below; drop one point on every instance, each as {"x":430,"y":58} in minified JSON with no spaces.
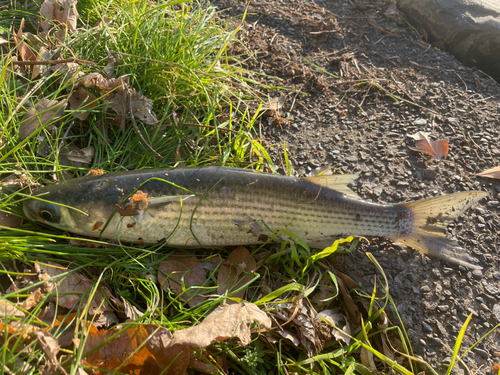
{"x":438,"y":148}
{"x":156,"y":351}
{"x":71,"y":289}
{"x":33,"y":300}
{"x":351,"y":306}
{"x":224,"y":322}
{"x":334,"y":319}
{"x":367,"y":359}
{"x":131,"y":312}
{"x":116,"y":92}
{"x":10,"y":310}
{"x":50,"y":346}
{"x":38,"y":70}
{"x":84,"y":155}
{"x":62,"y":11}
{"x":181,"y":272}
{"x":490,"y":173}
{"x":277,"y":103}
{"x":42,"y":114}
{"x":83,"y":100}
{"x":299,"y":320}
{"x":235,"y":272}
{"x":24,"y":51}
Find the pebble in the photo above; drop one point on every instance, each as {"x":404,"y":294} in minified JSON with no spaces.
{"x":425,"y":289}
{"x":477,"y":274}
{"x":435,"y":343}
{"x":431,"y":352}
{"x":452,"y":121}
{"x":422,"y":342}
{"x":443,"y":308}
{"x":420,"y":122}
{"x":483,"y":353}
{"x":427,"y":328}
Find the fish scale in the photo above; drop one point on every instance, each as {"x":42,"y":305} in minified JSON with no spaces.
{"x":228,"y":206}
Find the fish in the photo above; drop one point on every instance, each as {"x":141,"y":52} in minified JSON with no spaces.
{"x":211,"y":207}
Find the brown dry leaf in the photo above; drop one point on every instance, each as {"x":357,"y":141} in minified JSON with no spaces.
{"x":367,"y":359}
{"x":490,"y":173}
{"x":131,"y":312}
{"x":351,"y":306}
{"x":70,"y":290}
{"x":9,"y":220}
{"x":334,"y":319}
{"x":82,"y":99}
{"x":224,"y":322}
{"x":38,"y":70}
{"x":235,"y":272}
{"x":10,"y":310}
{"x":156,"y":355}
{"x":116,"y":92}
{"x":84,"y":155}
{"x":24,"y":51}
{"x":62,"y":11}
{"x":33,"y":300}
{"x":181,"y":271}
{"x":349,"y":282}
{"x":51,"y":347}
{"x":439,"y":148}
{"x":277,"y":103}
{"x":43,"y":113}
{"x":47,"y":12}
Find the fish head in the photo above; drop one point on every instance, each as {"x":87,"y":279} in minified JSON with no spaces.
{"x":50,"y":213}
{"x":68,"y":207}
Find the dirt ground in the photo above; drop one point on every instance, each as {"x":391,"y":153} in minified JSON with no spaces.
{"x":364,"y":128}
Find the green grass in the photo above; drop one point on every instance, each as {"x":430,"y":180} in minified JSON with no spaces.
{"x":176,"y":54}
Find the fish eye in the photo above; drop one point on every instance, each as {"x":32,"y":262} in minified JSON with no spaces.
{"x":46,"y":215}
{"x":49,"y":212}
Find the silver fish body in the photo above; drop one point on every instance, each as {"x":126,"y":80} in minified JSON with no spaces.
{"x":220,"y":206}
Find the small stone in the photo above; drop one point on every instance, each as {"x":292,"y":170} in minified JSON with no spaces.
{"x":422,"y":342}
{"x":443,"y":308}
{"x":435,"y":343}
{"x":425,"y":289}
{"x":477,"y":274}
{"x":427,"y":328}
{"x":420,"y":122}
{"x":452,"y":121}
{"x":431,"y":352}
{"x":483,"y":353}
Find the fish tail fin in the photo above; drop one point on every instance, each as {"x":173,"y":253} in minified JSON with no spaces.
{"x":430,"y":217}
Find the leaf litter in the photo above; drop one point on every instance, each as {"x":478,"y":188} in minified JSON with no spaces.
{"x":439,"y":148}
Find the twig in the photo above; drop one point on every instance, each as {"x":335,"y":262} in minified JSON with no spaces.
{"x":52,"y":62}
{"x":136,"y":128}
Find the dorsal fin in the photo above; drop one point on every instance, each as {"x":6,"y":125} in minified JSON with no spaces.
{"x":337,"y":182}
